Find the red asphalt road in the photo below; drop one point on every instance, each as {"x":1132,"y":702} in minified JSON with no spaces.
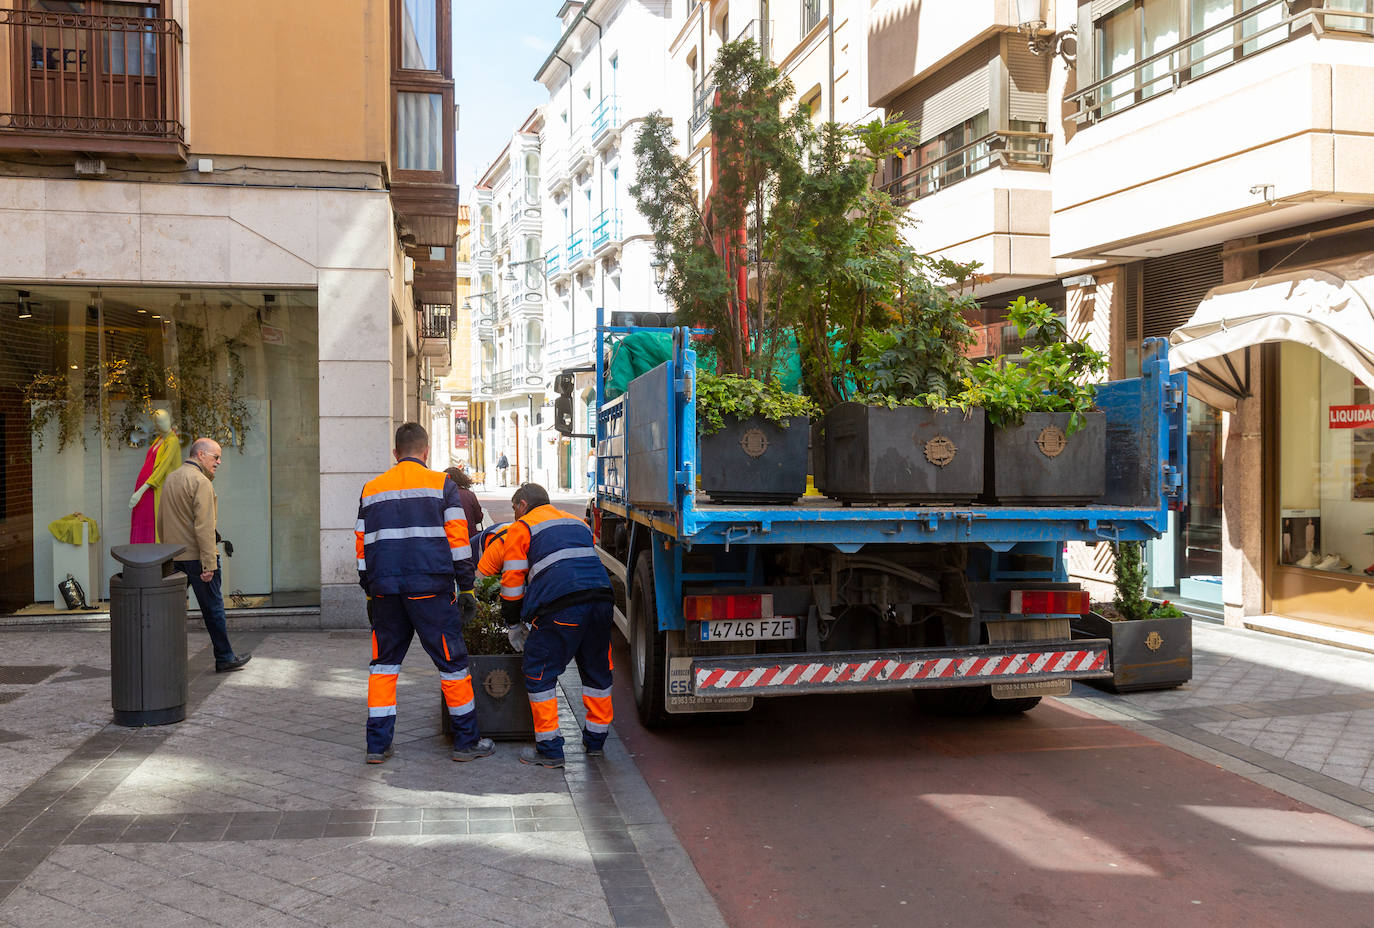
{"x":857,"y":810}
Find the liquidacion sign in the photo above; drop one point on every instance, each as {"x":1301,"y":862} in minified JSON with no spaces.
{"x":1350,"y":417}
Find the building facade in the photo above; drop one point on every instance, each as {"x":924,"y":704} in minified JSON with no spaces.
{"x":1124,"y":159}
{"x":270,"y":259}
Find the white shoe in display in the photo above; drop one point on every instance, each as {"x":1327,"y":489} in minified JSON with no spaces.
{"x":1310,"y":559}
{"x":1333,"y":562}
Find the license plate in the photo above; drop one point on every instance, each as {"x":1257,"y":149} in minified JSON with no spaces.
{"x":747,"y":629}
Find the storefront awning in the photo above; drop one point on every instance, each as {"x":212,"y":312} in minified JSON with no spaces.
{"x":1329,"y":308}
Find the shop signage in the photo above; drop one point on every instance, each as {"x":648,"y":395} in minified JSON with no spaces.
{"x":460,"y":427}
{"x":272,"y":335}
{"x":1350,"y":417}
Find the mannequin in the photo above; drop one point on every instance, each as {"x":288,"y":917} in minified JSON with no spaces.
{"x":164,"y":455}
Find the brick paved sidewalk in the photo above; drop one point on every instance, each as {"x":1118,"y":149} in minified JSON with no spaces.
{"x":1292,"y":715}
{"x":258,"y":809}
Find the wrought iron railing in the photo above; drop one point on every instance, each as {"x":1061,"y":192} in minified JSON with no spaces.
{"x":577,"y":245}
{"x":1023,"y":150}
{"x":605,"y":118}
{"x":434,"y":320}
{"x":111,"y":77}
{"x":1256,"y":29}
{"x":606,"y":229}
{"x":553,"y":260}
{"x":702,"y":96}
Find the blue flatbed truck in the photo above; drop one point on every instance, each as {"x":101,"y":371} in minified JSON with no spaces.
{"x":967,"y":605}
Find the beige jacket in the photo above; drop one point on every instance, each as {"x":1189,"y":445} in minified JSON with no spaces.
{"x":189,"y":513}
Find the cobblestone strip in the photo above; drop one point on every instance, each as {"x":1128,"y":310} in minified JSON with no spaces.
{"x":47,"y":812}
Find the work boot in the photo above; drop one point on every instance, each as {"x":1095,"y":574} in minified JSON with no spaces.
{"x":598,"y":751}
{"x":484,"y":747}
{"x":380,"y":758}
{"x":532,"y":757}
{"x":234,"y":663}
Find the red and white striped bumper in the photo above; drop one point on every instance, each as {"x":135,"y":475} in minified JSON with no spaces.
{"x":854,"y":671}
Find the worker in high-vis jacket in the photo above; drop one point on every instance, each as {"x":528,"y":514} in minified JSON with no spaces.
{"x":557,"y":602}
{"x":412,"y":547}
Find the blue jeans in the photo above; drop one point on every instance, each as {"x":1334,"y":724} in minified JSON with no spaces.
{"x":211,"y":607}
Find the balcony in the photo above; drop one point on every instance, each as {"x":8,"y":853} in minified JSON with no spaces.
{"x":1017,"y":150}
{"x":553,"y":262}
{"x":607,"y":230}
{"x":571,"y":350}
{"x":433,"y":326}
{"x":988,"y":201}
{"x":703,"y":97}
{"x":556,"y":165}
{"x":1250,"y":130}
{"x":911,"y":41}
{"x":606,"y":122}
{"x":577,"y":249}
{"x":97,"y":84}
{"x":579,"y":156}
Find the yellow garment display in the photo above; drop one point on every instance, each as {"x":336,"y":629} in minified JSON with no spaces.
{"x":68,"y":528}
{"x":168,"y":459}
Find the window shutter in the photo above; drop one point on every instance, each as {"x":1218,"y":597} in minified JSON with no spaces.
{"x":1101,"y":8}
{"x":951,"y":96}
{"x":1130,"y":280}
{"x":1175,"y":285}
{"x":1030,"y":83}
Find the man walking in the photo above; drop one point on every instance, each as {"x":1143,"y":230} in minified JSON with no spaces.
{"x":501,"y":465}
{"x":412,"y":544}
{"x":187,"y":516}
{"x":553,"y":580}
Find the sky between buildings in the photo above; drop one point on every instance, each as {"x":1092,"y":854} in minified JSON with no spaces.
{"x":497,"y":47}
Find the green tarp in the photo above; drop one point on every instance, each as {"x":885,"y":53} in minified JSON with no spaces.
{"x":640,"y":352}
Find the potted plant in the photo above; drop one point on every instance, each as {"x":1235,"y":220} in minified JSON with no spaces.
{"x":1152,"y":643}
{"x":902,"y":436}
{"x":751,"y":439}
{"x":498,"y":682}
{"x":1047,"y":443}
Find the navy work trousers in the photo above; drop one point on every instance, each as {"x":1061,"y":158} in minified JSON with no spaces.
{"x":581,"y":633}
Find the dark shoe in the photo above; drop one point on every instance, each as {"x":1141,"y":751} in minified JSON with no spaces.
{"x":235,"y":664}
{"x":380,"y":758}
{"x":593,"y":752}
{"x":484,"y":747}
{"x":532,"y":757}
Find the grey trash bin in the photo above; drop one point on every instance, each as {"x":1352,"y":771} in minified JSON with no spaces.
{"x":147,"y":636}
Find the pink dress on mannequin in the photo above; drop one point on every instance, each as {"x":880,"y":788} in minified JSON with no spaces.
{"x":162,"y":456}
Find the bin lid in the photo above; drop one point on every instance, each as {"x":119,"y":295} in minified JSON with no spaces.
{"x":145,"y":555}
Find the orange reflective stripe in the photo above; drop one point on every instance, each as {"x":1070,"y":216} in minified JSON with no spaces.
{"x":457,"y":692}
{"x":427,"y":596}
{"x":381,"y":689}
{"x":358,"y":545}
{"x":565,"y":624}
{"x":444,"y":639}
{"x":374,"y":646}
{"x":457,"y":532}
{"x":599,"y":709}
{"x":545,"y":715}
{"x":610,"y":664}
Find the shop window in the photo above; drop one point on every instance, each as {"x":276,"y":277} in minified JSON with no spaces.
{"x":1326,"y":466}
{"x":78,"y":407}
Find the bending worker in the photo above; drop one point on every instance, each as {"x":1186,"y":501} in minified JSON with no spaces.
{"x":412,"y":544}
{"x":553,"y":583}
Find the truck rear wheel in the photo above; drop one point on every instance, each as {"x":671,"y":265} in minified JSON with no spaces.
{"x":971,"y":700}
{"x":648,"y":647}
{"x":1011,"y":706}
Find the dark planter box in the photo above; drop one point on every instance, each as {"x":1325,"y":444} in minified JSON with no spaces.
{"x":503,"y":704}
{"x":1038,"y":462}
{"x":754,"y":461}
{"x":1149,"y":654}
{"x":873,"y":454}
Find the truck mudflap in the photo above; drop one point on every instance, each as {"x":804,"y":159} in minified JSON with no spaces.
{"x":859,"y":671}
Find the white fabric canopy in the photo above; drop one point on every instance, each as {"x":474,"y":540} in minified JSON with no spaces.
{"x":1329,"y":308}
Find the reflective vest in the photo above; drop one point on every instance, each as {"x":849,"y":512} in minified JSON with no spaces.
{"x":412,"y":535}
{"x":544,"y":557}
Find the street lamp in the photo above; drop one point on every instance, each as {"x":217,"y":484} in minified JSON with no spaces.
{"x":509,"y":276}
{"x":1032,"y":24}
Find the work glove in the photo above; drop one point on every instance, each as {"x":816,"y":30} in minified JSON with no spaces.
{"x":467,"y":604}
{"x":518,"y":635}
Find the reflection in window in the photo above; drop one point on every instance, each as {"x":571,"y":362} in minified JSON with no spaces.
{"x":420,"y":131}
{"x":419,"y":43}
{"x":534,"y":341}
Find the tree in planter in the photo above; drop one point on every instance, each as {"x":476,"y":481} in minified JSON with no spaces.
{"x":1053,"y":375}
{"x":1130,"y":601}
{"x":727,"y":396}
{"x":720,"y":268}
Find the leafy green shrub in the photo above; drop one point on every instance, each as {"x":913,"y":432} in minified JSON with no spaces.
{"x":485,"y":633}
{"x":1130,"y":600}
{"x":1052,"y":375}
{"x":1166,"y":610}
{"x":727,"y":396}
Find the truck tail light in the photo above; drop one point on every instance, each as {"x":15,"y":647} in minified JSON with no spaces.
{"x":1050,"y":602}
{"x":742,"y":606}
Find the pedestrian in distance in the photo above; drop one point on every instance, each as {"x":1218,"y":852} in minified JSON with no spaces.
{"x":591,"y":471}
{"x":188,"y":514}
{"x":412,"y":545}
{"x":557,"y":602}
{"x":472,"y":507}
{"x":501,"y":465}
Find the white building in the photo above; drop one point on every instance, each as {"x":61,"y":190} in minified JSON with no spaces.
{"x":606,"y":73}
